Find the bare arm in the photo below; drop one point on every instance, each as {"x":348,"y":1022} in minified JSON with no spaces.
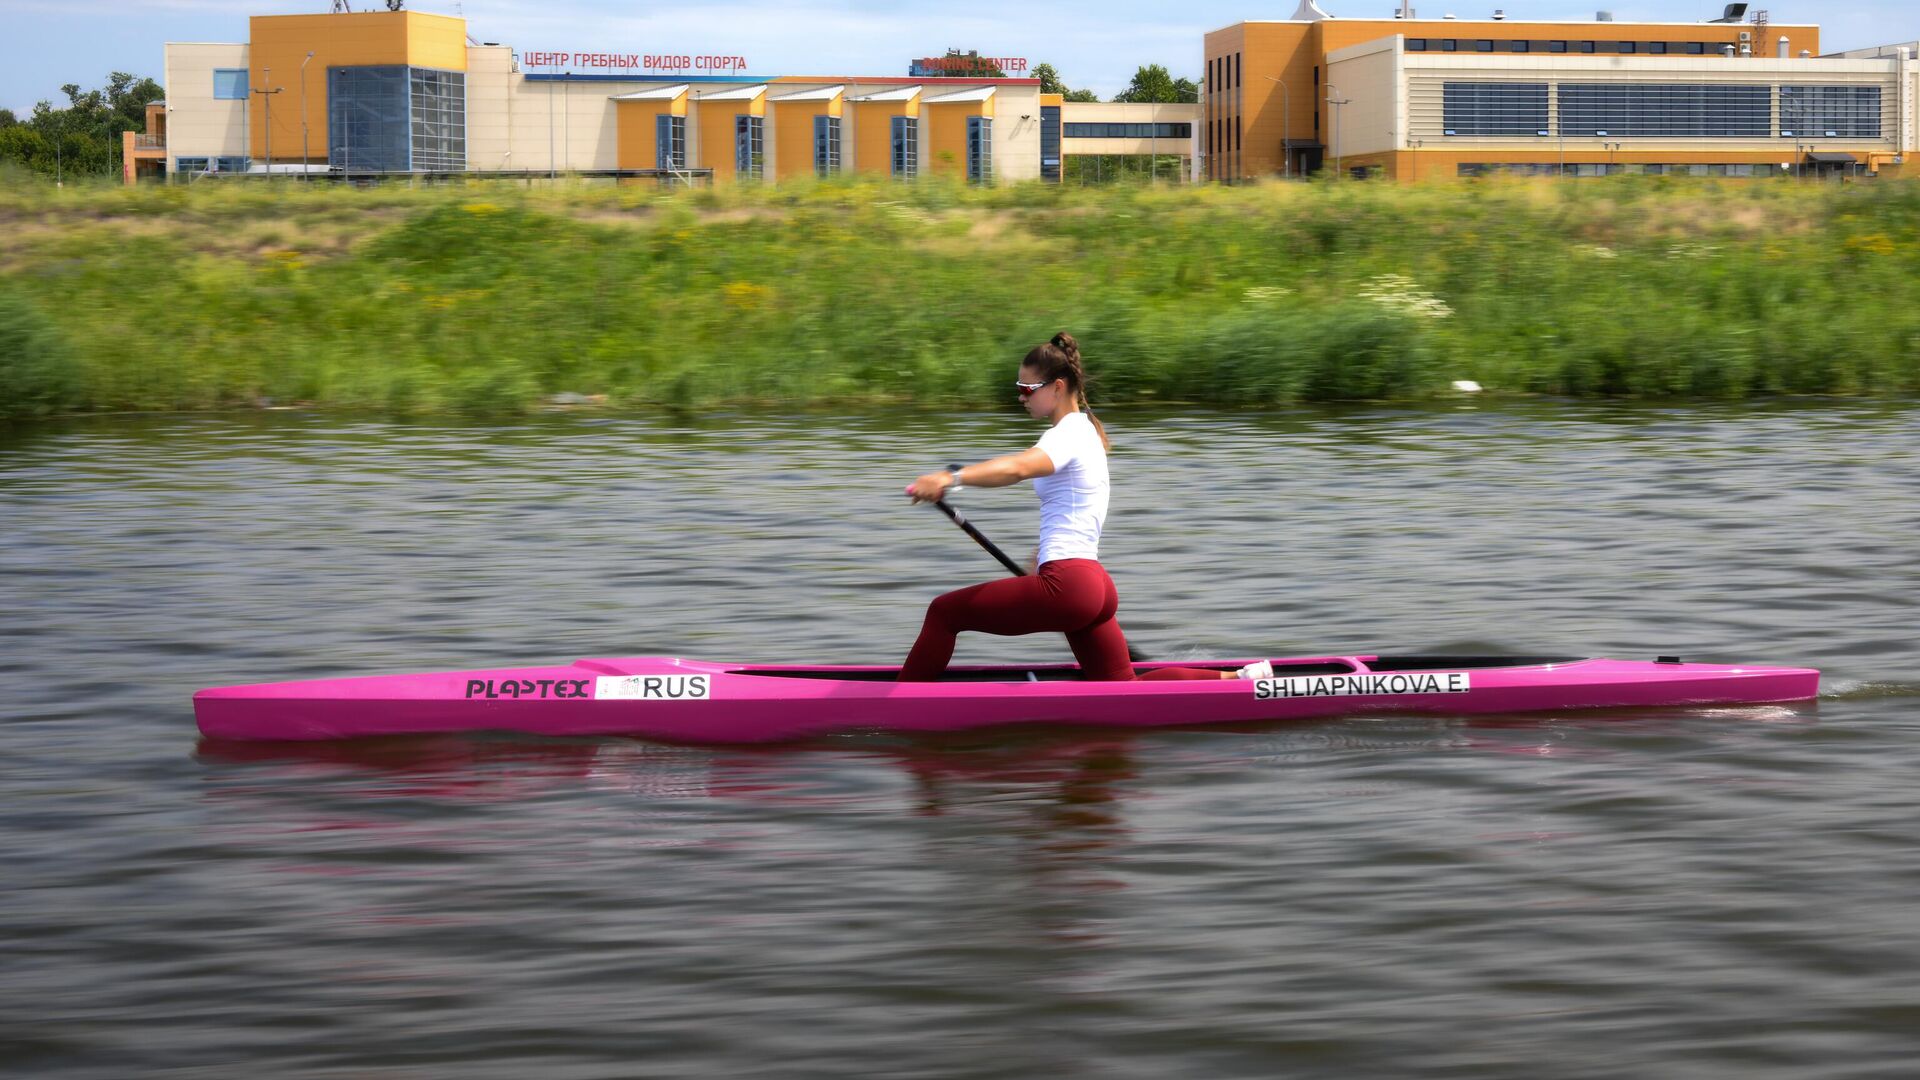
{"x":994,"y":472}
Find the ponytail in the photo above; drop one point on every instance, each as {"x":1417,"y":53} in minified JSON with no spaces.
{"x":1060,"y":359}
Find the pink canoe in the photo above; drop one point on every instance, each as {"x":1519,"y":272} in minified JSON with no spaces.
{"x":695,"y":701}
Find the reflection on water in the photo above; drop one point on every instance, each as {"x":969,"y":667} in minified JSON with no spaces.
{"x":1642,"y":892}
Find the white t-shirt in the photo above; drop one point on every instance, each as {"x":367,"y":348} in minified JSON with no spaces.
{"x":1073,"y":501}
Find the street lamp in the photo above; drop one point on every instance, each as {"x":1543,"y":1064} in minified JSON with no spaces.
{"x":1336,"y":103}
{"x":1543,"y":133}
{"x":268,"y":94}
{"x":1286,"y":107}
{"x":1415,"y":160}
{"x":306,"y":162}
{"x":1612,"y":148}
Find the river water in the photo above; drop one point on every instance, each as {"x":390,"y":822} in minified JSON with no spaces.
{"x":1654,"y":893}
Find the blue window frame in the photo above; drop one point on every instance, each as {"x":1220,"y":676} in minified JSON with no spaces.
{"x":826,"y":145}
{"x":230,"y":84}
{"x":749,"y":147}
{"x":669,"y":142}
{"x":979,"y":148}
{"x":905,"y":147}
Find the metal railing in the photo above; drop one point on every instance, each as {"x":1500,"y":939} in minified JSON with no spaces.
{"x":149,"y":142}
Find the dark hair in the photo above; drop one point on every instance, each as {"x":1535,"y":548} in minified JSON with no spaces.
{"x":1060,"y":359}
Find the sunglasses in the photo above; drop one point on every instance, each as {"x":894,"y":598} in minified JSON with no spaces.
{"x":1028,"y":389}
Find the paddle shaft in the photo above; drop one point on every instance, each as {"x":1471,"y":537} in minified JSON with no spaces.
{"x":980,"y":538}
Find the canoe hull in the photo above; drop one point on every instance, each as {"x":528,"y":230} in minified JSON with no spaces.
{"x":692,"y":701}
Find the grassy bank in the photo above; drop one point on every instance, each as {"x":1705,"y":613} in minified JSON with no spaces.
{"x":488,"y":297}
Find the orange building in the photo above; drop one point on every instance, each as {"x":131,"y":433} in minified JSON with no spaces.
{"x":1418,"y":98}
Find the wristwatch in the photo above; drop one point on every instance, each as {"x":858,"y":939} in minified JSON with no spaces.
{"x":956,"y":485}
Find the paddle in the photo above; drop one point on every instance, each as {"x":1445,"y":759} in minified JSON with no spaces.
{"x":993,"y":549}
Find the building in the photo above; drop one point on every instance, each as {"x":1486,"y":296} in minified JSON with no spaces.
{"x":1421,"y":98}
{"x":406,"y":92}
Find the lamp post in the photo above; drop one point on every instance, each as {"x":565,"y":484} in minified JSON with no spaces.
{"x":1286,"y":107}
{"x":268,"y":94}
{"x":1336,"y":103}
{"x":1602,"y":135}
{"x":1414,"y":161}
{"x":306,"y":160}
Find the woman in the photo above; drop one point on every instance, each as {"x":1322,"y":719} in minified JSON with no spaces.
{"x":1069,"y":592}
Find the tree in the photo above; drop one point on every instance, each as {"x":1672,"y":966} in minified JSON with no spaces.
{"x":1052,"y":83}
{"x":7,"y":119}
{"x":1153,"y":83}
{"x":84,"y":135}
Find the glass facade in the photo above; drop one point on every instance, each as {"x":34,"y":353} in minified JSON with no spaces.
{"x":979,"y":148}
{"x":1848,"y":112}
{"x":1050,"y":142}
{"x":749,"y":147}
{"x":1655,"y":110}
{"x":826,"y":145}
{"x":393,"y":118}
{"x":192,"y":166}
{"x":1129,"y":131}
{"x":438,"y":100}
{"x":1495,"y":108}
{"x":905,"y":147}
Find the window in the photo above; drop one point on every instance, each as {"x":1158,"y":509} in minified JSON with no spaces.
{"x":669,"y":142}
{"x":1656,"y":47}
{"x":1449,"y":45}
{"x":1696,"y":48}
{"x":1556,"y":46}
{"x":1416,"y":44}
{"x":1699,"y":110}
{"x":749,"y":147}
{"x":1238,"y":71}
{"x":437,"y":107}
{"x":1483,"y":45}
{"x":1628,"y":46}
{"x":1850,"y":112}
{"x":905,"y":152}
{"x":1586,"y":46}
{"x":1129,"y":131}
{"x":826,"y":145}
{"x":1518,"y":46}
{"x":367,"y":125}
{"x":1490,"y":108}
{"x":393,"y":118}
{"x":230,"y":84}
{"x":1050,"y":142}
{"x":187,"y":166}
{"x":979,"y":148}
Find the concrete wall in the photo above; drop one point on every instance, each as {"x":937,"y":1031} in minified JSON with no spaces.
{"x":198,"y":125}
{"x":1016,"y":133}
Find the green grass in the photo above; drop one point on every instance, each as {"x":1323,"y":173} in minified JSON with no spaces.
{"x":487,"y":297}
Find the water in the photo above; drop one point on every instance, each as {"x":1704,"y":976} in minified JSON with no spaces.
{"x":1671,"y":894}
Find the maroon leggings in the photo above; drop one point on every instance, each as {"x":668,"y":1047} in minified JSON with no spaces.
{"x":1074,"y":597}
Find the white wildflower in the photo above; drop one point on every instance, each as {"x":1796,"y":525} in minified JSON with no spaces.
{"x":1260,"y":294}
{"x":1397,"y":292}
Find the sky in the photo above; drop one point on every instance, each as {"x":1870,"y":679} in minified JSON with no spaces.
{"x":1095,"y":44}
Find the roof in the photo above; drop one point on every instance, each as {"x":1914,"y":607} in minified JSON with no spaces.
{"x":738,"y":93}
{"x":1831,"y":157}
{"x":822,"y":93}
{"x":904,"y":93}
{"x":978,"y":94}
{"x":654,"y":93}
